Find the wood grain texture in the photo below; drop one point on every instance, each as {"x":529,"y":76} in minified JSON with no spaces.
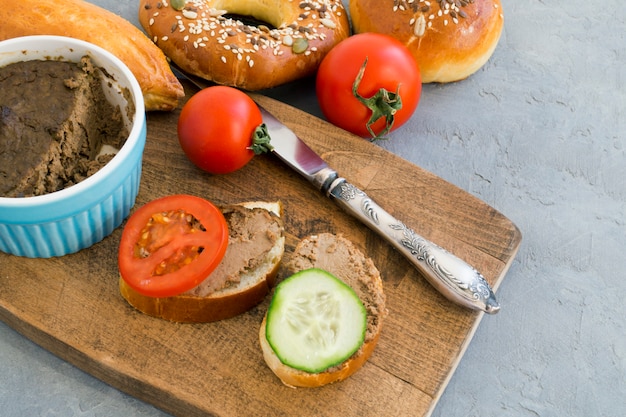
{"x":71,"y":305}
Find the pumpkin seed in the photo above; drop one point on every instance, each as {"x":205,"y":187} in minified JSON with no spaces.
{"x":299,"y":45}
{"x":177,"y":4}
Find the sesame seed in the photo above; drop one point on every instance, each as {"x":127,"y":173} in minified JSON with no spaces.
{"x":328,"y":23}
{"x":216,"y":13}
{"x":420,"y":26}
{"x":190,"y":14}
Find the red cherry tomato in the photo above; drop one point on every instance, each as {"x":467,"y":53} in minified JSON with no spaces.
{"x":388,"y":68}
{"x":220,"y":129}
{"x":172,"y":244}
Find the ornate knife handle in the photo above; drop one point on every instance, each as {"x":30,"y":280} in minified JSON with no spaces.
{"x":454,"y":278}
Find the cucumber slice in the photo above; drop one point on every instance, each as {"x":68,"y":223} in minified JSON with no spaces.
{"x":315,"y":321}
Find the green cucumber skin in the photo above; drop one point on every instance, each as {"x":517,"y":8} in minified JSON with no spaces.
{"x":285,"y":337}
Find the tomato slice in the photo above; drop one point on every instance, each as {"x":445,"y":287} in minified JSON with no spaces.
{"x":172,"y":244}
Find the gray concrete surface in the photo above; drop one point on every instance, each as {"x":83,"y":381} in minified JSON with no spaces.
{"x":538,"y":133}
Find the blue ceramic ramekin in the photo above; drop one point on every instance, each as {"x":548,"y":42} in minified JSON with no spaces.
{"x":75,"y":218}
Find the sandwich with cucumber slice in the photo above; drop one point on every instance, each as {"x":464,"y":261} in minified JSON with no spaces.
{"x":325,"y":319}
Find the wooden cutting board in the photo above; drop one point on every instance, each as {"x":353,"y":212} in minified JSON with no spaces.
{"x":71,"y":305}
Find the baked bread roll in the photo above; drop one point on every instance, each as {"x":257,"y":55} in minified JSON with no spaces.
{"x":88,"y":22}
{"x":209,"y":39}
{"x":341,"y":258}
{"x":450,"y":39}
{"x":255,"y":249}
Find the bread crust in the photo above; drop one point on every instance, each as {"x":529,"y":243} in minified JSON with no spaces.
{"x":226,"y":302}
{"x":192,"y":309}
{"x":340,"y":257}
{"x":296,"y":378}
{"x":449,"y":40}
{"x":88,"y":22}
{"x":203,"y":40}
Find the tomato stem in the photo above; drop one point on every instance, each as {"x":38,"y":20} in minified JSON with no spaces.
{"x":382,"y":104}
{"x":261,"y":140}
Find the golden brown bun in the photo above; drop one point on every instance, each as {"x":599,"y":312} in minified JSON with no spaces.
{"x":341,"y":258}
{"x":249,"y":284}
{"x":88,"y":22}
{"x":231,"y":53}
{"x":449,"y":41}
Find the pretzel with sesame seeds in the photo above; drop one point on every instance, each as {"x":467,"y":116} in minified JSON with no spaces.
{"x":249,"y":44}
{"x":450,"y":39}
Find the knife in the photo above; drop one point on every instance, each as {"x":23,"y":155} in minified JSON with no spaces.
{"x":451,"y":276}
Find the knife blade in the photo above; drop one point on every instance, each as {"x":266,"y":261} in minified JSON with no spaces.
{"x":455,"y":279}
{"x":450,"y":275}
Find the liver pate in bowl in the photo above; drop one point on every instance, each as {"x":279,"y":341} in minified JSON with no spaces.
{"x":72,"y":134}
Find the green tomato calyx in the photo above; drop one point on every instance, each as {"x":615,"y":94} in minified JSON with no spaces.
{"x":382,"y":104}
{"x":261,"y":140}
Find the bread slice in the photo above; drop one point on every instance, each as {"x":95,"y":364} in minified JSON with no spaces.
{"x":255,"y":248}
{"x":340,"y":257}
